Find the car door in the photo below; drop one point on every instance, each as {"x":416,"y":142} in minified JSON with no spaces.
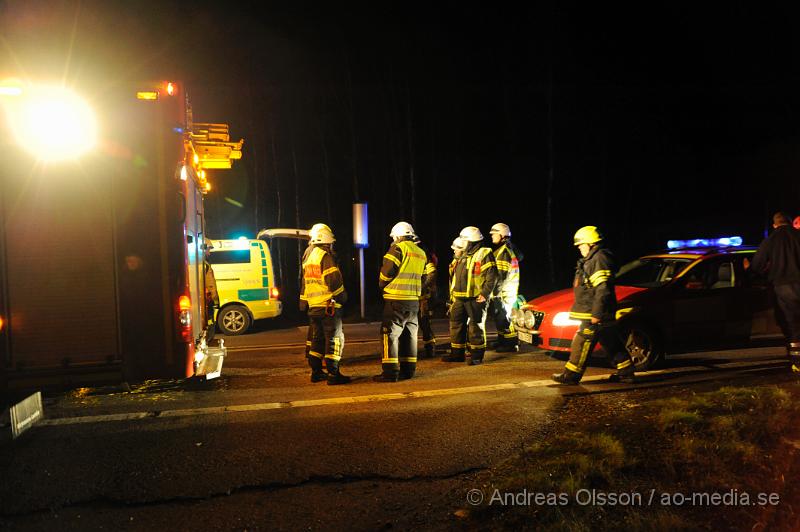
{"x":699,"y":306}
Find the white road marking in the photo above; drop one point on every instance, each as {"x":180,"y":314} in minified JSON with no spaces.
{"x":384,"y":396}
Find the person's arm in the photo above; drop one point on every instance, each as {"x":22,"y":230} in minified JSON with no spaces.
{"x":303,"y":305}
{"x":602,"y":273}
{"x":760,"y":262}
{"x":489,"y":271}
{"x":429,"y":279}
{"x":333,"y":279}
{"x":391,"y":266}
{"x":503,"y":261}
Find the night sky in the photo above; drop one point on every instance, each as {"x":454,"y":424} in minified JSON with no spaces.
{"x":652,"y":122}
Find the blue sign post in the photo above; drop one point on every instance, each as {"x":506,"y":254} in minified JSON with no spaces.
{"x":361,"y":241}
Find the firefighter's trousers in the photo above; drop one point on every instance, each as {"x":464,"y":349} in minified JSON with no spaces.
{"x":500,"y":308}
{"x":325,"y":340}
{"x":787,"y":314}
{"x":399,"y":338}
{"x":472,"y":335}
{"x":425,"y":315}
{"x":585,"y":340}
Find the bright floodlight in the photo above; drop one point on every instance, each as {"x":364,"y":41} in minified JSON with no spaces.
{"x":54,"y":124}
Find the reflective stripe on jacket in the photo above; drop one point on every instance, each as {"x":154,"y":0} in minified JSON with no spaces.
{"x":322,"y":280}
{"x":594,"y":287}
{"x":402,"y":271}
{"x":474,"y":275}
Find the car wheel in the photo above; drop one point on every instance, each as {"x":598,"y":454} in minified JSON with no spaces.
{"x":642,"y":346}
{"x":233,"y":320}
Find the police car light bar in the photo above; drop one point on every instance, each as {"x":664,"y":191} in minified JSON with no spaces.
{"x":726,"y":241}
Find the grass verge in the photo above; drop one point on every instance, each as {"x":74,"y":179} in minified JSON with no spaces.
{"x":695,"y":461}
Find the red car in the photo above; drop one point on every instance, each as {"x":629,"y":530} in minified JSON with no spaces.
{"x":680,"y":300}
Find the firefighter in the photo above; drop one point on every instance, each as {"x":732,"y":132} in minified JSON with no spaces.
{"x":779,"y":257}
{"x":507,"y":257}
{"x":322,"y":293}
{"x":401,"y":278}
{"x":458,"y":246}
{"x":473,"y":281}
{"x":595,"y":306}
{"x":429,"y":291}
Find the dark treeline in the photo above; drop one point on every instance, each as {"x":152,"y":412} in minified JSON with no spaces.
{"x":651,"y":127}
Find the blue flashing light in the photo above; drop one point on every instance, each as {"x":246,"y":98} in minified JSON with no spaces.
{"x":242,"y":238}
{"x":726,"y":241}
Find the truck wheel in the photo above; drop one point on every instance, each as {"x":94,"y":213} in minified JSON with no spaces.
{"x":643,"y":346}
{"x":233,"y":320}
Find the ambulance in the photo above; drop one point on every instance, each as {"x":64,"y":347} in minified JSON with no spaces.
{"x":246,"y":283}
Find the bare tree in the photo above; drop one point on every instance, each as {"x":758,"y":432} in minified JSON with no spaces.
{"x":409,"y":131}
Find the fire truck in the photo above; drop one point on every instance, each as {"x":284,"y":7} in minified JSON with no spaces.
{"x":102,"y":233}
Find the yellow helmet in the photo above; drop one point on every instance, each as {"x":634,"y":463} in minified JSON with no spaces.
{"x":587,"y":234}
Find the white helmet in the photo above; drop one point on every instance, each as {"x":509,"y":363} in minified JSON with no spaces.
{"x":401,"y":229}
{"x":459,"y":244}
{"x":321,"y":234}
{"x":500,"y":229}
{"x":471,"y":234}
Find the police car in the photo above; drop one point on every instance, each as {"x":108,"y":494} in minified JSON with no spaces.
{"x":697,"y":294}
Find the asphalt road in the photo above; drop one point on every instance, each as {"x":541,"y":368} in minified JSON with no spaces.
{"x":264,"y":448}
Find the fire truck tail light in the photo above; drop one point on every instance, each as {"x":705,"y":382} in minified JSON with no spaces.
{"x":274,"y":293}
{"x":170,"y":88}
{"x":185,"y":318}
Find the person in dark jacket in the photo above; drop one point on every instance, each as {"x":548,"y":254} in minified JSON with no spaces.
{"x":595,"y":307}
{"x":472,"y":283}
{"x":779,"y":257}
{"x":507,"y":257}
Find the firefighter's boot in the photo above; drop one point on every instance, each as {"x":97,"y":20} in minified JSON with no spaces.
{"x":338,"y":378}
{"x":475,"y":357}
{"x":567,"y":377}
{"x":625,"y":375}
{"x":317,"y":373}
{"x":456,"y":355}
{"x":430,"y":350}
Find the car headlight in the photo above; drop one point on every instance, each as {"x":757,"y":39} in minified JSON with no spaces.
{"x":515,"y":312}
{"x":530,"y":320}
{"x":562,"y":319}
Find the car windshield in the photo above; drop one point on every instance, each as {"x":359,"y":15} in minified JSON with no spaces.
{"x":651,"y":272}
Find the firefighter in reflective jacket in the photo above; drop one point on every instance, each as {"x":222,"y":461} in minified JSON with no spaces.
{"x":401,"y":279}
{"x":595,"y":306}
{"x":473,"y":281}
{"x":322,"y":294}
{"x":507,"y":257}
{"x":426,"y":299}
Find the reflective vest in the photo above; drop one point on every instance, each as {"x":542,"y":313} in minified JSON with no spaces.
{"x":476,"y":268}
{"x":317,"y":293}
{"x":407,"y":284}
{"x":508,"y":269}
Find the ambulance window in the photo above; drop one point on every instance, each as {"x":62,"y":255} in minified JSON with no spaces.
{"x":234,"y":256}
